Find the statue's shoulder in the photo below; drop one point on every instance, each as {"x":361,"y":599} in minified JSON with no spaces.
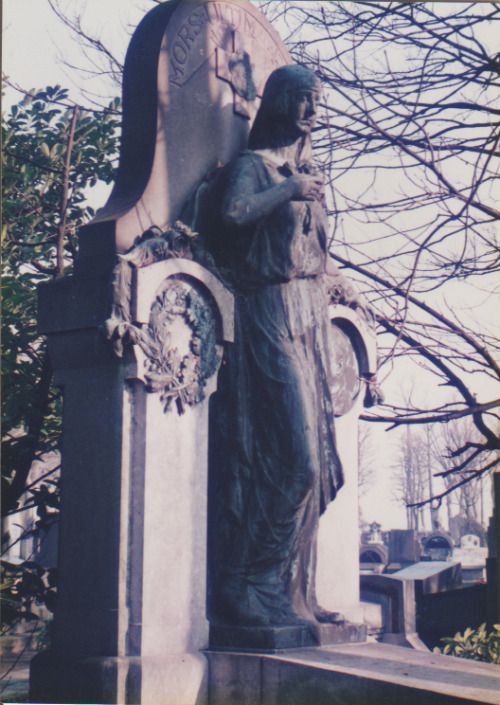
{"x":203,"y":208}
{"x":217,"y":180}
{"x":245,"y":158}
{"x":247,"y":164}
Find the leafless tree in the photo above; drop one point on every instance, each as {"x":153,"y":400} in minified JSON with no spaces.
{"x":366,"y":459}
{"x":409,"y":141}
{"x":100,"y":58}
{"x":411,"y":476}
{"x":468,"y":500}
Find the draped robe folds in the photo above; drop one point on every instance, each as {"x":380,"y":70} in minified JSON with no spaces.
{"x":276,"y":463}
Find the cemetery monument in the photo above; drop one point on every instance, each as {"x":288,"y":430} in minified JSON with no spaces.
{"x":211,"y":403}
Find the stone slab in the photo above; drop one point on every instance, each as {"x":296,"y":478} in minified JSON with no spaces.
{"x":396,"y":598}
{"x":277,"y":638}
{"x":471,"y":558}
{"x":432,"y":576}
{"x":351,"y":674}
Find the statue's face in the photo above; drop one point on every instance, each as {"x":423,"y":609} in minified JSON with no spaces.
{"x":303,"y":108}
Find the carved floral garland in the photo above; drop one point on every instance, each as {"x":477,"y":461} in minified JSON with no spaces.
{"x":170,"y":373}
{"x":175,"y":376}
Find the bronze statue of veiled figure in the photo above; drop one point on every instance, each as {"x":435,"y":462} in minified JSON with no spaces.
{"x":275,"y":465}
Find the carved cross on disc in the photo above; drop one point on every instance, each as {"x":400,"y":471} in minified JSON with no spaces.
{"x":243,"y":74}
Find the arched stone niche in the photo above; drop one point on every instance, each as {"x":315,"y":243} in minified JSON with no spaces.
{"x":437,"y":546}
{"x":180,"y":301}
{"x":372,"y":554}
{"x":353,"y":365}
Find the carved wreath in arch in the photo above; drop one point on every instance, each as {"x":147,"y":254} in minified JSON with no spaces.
{"x":179,"y":342}
{"x":179,"y":372}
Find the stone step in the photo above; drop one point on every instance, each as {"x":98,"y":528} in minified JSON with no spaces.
{"x":351,"y":674}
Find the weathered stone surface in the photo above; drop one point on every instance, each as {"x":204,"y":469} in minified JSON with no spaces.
{"x":133,"y":527}
{"x":196,"y":116}
{"x":432,"y":576}
{"x":350,"y":674}
{"x":268,"y":639}
{"x":180,"y":679}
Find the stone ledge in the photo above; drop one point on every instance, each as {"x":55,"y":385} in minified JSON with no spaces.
{"x":351,"y":674}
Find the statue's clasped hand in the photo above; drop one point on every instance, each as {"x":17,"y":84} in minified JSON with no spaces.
{"x":306,"y":187}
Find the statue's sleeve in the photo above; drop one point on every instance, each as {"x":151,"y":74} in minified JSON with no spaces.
{"x":245,"y":179}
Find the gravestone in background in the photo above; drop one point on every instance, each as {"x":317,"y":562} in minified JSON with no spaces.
{"x":404,"y":549}
{"x":131,"y":613}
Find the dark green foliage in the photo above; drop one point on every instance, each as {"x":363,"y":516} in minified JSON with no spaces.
{"x":474,"y":644}
{"x":24,"y":587}
{"x":52,"y":153}
{"x":43,"y":201}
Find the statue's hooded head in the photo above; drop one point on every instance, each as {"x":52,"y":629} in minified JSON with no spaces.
{"x":274,"y":125}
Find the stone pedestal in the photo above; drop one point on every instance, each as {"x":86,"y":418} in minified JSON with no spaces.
{"x":337,"y":582}
{"x":272,"y":639}
{"x":132,"y":589}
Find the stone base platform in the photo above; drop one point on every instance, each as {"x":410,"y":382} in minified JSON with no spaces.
{"x":271,"y":639}
{"x":351,"y":674}
{"x":173,"y":679}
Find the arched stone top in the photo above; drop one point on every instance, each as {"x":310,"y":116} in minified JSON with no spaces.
{"x":366,"y":335}
{"x":437,"y":541}
{"x":355,"y":357}
{"x":184,"y":108}
{"x":438,"y":545}
{"x":373,"y":553}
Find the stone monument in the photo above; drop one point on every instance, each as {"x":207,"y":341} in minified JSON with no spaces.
{"x":139,"y":372}
{"x":276,"y":466}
